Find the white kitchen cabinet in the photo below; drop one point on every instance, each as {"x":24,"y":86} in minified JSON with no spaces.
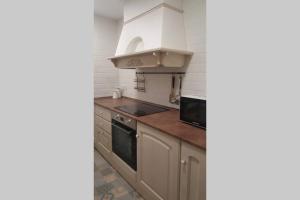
{"x":193,"y":173}
{"x":102,"y":112}
{"x":102,"y":143}
{"x":102,"y":132}
{"x":158,"y":164}
{"x":102,"y":123}
{"x":167,"y":168}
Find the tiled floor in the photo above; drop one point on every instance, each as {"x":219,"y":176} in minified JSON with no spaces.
{"x":109,"y":185}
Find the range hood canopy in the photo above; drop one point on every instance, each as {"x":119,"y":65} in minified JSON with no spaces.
{"x":161,"y":57}
{"x":153,"y":35}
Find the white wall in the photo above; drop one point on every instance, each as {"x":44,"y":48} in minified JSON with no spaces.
{"x":194,"y":83}
{"x":105,"y":42}
{"x":195,"y":29}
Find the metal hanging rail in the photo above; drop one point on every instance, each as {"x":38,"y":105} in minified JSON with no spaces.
{"x":159,"y":72}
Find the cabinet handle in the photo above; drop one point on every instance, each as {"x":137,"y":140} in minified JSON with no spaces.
{"x":137,"y":136}
{"x":183,"y":162}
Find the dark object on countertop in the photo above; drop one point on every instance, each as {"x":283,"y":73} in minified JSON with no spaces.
{"x":193,"y":111}
{"x":172,"y":94}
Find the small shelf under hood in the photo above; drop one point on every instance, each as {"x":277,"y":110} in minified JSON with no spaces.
{"x":161,"y":57}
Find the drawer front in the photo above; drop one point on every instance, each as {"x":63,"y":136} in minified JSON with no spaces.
{"x":96,"y":129}
{"x":97,"y":135}
{"x":103,"y":139}
{"x":106,"y":140}
{"x":101,"y":123}
{"x":102,"y":112}
{"x":101,"y":136}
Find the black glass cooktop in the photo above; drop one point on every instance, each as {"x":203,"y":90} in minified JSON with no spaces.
{"x":140,"y":109}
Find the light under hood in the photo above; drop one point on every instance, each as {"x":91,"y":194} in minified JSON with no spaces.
{"x":154,"y":36}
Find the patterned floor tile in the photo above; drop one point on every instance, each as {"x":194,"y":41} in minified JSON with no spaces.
{"x":109,"y":185}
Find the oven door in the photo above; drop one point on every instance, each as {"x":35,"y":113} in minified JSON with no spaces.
{"x":124,"y":143}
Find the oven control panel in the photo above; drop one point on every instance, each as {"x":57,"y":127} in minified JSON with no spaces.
{"x":124,"y":120}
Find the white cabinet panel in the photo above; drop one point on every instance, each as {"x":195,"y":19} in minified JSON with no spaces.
{"x":193,"y":173}
{"x":158,"y":164}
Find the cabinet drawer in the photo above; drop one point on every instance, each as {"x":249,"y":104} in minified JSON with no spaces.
{"x":97,"y":135}
{"x":96,"y":129}
{"x":106,"y":140}
{"x":101,"y":136}
{"x":103,"y":139}
{"x":102,"y":112}
{"x":101,"y":123}
{"x":102,"y":148}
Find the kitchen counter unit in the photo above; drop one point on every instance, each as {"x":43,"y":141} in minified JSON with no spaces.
{"x":167,"y":122}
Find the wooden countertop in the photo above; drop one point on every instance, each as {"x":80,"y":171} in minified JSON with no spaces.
{"x":167,"y":122}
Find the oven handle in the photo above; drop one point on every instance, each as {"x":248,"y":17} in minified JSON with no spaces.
{"x":118,"y":127}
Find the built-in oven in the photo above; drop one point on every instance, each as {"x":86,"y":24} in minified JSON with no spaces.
{"x":124,"y":139}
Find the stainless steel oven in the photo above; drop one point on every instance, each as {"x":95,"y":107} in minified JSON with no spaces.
{"x":124,"y":139}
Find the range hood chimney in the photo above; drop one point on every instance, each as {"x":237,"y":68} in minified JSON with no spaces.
{"x":153,"y":35}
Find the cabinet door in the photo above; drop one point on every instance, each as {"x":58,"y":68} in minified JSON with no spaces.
{"x":158,"y":164}
{"x":193,"y":173}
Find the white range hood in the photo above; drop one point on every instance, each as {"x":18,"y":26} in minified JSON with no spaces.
{"x":153,"y":35}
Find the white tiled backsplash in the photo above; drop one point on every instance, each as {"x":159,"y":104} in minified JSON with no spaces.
{"x":105,"y":43}
{"x":158,"y":86}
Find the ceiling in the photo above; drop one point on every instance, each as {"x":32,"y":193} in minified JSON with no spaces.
{"x":109,"y":8}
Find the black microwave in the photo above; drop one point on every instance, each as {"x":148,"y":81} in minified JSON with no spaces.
{"x":193,"y":111}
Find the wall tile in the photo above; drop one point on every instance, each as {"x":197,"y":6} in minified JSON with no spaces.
{"x":105,"y":43}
